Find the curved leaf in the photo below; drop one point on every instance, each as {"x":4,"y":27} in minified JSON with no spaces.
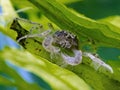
{"x":57,"y":77}
{"x":113,"y":20}
{"x":80,"y":25}
{"x":84,"y":28}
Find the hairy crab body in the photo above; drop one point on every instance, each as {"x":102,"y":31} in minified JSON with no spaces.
{"x":63,"y":39}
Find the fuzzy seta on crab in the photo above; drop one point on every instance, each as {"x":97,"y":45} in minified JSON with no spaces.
{"x":66,"y":40}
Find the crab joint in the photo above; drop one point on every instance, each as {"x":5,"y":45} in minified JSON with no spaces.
{"x":77,"y":59}
{"x":47,"y":45}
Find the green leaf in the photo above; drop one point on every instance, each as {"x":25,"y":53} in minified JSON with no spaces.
{"x":114,"y":20}
{"x":67,"y":1}
{"x":6,"y":16}
{"x":5,"y":81}
{"x":86,"y":30}
{"x":9,"y":77}
{"x":57,"y":77}
{"x":80,"y":25}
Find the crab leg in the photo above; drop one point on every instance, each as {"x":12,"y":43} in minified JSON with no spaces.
{"x":43,"y":34}
{"x":47,"y":45}
{"x":77,"y":59}
{"x":35,"y":26}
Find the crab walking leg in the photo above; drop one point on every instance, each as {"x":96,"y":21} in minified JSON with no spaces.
{"x":29,"y":35}
{"x":28,"y":21}
{"x":43,"y":34}
{"x":35,"y":25}
{"x":47,"y":45}
{"x":97,"y":63}
{"x":77,"y":59}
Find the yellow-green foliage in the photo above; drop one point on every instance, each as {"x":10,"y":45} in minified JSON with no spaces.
{"x":103,"y":32}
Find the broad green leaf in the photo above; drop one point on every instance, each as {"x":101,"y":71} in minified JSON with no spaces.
{"x":81,"y":26}
{"x":113,"y":20}
{"x":85,"y":29}
{"x":67,"y":1}
{"x":5,"y":81}
{"x":7,"y":10}
{"x":14,"y":78}
{"x":58,"y":78}
{"x":6,"y":16}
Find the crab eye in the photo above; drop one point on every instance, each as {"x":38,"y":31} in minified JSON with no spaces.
{"x":60,"y":33}
{"x":57,"y":34}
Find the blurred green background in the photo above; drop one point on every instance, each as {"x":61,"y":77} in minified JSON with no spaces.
{"x":97,"y":9}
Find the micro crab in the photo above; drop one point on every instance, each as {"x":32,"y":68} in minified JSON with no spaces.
{"x":65,"y":40}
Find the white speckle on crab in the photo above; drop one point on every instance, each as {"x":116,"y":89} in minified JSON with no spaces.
{"x":77,"y":59}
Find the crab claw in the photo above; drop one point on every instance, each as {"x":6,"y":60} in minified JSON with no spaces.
{"x":77,"y":59}
{"x":97,"y":63}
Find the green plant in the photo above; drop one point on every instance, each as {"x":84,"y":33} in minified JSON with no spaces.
{"x":89,"y":32}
